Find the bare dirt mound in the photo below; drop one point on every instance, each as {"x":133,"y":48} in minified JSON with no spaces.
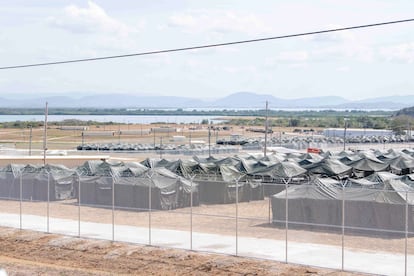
{"x":32,"y":253}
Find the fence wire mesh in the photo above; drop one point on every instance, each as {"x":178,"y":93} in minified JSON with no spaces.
{"x":255,"y":218}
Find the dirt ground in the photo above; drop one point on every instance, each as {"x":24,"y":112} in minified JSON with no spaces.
{"x":33,"y":253}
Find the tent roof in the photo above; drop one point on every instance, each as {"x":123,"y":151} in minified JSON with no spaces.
{"x":368,"y":164}
{"x":326,"y":189}
{"x":284,"y":169}
{"x":329,"y":167}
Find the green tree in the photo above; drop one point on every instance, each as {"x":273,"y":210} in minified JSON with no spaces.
{"x":401,"y":123}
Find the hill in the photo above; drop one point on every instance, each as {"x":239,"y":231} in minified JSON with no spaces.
{"x":237,"y":100}
{"x":408,"y":111}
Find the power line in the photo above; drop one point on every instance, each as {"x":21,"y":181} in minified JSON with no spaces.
{"x":206,"y":46}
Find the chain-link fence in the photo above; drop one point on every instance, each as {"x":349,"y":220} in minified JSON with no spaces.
{"x":358,"y":229}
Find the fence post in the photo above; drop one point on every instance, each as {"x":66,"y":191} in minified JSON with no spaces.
{"x":286,"y":218}
{"x":191,"y":212}
{"x":343,"y":227}
{"x":237,"y":215}
{"x":149,"y":206}
{"x":149,"y":214}
{"x":48,"y":202}
{"x":21,"y":198}
{"x":113,"y":208}
{"x":406,"y":233}
{"x":79,"y":206}
{"x":269,"y":205}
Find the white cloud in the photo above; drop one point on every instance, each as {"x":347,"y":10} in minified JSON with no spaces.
{"x":293,"y":56}
{"x":240,"y":69}
{"x":157,"y":61}
{"x":293,"y":59}
{"x":298,"y":65}
{"x":2,"y":41}
{"x":92,"y":19}
{"x":219,"y":21}
{"x":400,"y":53}
{"x":343,"y":69}
{"x":332,"y":53}
{"x":349,"y":51}
{"x":340,"y":45}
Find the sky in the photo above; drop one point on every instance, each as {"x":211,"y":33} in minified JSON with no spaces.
{"x":355,"y":64}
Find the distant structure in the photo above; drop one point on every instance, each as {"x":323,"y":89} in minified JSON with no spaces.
{"x":163,"y":130}
{"x":83,"y":128}
{"x":135,"y":132}
{"x":98,"y":133}
{"x":356,"y":132}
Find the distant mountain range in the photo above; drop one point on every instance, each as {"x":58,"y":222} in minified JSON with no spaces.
{"x":236,"y":100}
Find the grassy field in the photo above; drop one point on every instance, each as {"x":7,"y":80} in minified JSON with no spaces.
{"x":58,"y":139}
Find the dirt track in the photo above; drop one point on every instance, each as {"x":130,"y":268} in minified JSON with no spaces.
{"x":33,"y":253}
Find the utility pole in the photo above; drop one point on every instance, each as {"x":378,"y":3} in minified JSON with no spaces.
{"x":30,"y":141}
{"x":344,"y":133}
{"x":119,"y":133}
{"x":209,"y":140}
{"x":153,"y":130}
{"x":45,"y":137}
{"x":266,"y":129}
{"x":161,"y":147}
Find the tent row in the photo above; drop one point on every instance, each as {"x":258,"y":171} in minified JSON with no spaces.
{"x":345,"y":164}
{"x":127,"y":184}
{"x":170,"y":184}
{"x":135,"y":186}
{"x":329,"y":204}
{"x":268,"y":174}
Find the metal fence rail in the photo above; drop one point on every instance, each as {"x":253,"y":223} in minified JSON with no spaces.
{"x":249,"y":228}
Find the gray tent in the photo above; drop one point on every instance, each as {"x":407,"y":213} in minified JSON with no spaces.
{"x":223,"y":188}
{"x":10,"y":181}
{"x":134,"y":185}
{"x":31,"y":182}
{"x":368,"y":164}
{"x":402,"y":164}
{"x":330,"y":168}
{"x":275,"y":176}
{"x":320,"y":205}
{"x":185,"y":168}
{"x":216,"y":178}
{"x":310,"y":158}
{"x":284,"y":169}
